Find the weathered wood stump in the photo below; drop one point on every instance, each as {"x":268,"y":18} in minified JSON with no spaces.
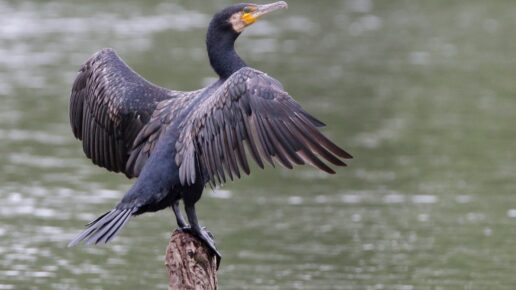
{"x":190,"y":264}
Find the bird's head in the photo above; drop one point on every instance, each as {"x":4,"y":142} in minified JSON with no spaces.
{"x":224,"y":29}
{"x":237,"y":17}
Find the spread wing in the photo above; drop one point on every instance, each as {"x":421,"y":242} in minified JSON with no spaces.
{"x":109,"y":105}
{"x":251,"y":113}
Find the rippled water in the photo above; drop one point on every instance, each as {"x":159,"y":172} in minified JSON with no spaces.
{"x":421,"y":92}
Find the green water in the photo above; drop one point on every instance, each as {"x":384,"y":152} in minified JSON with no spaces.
{"x":422,"y":93}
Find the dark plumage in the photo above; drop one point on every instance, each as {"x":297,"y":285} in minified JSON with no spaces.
{"x":177,"y":142}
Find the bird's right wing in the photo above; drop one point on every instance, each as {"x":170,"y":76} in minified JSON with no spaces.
{"x":251,"y":108}
{"x":109,"y":105}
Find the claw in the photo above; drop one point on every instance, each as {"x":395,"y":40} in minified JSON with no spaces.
{"x":207,"y":238}
{"x":209,"y":233}
{"x":185,"y":229}
{"x":202,"y":233}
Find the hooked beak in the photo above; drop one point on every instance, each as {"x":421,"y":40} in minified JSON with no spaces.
{"x":267,"y":8}
{"x":260,"y":10}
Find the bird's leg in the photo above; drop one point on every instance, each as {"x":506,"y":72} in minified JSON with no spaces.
{"x":202,"y":233}
{"x":179,"y":217}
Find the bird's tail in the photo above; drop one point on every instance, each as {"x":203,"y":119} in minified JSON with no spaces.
{"x":104,"y":228}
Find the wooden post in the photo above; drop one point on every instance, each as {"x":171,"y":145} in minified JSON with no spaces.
{"x":190,"y":264}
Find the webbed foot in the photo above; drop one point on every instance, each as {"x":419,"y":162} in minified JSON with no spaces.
{"x":206,"y":237}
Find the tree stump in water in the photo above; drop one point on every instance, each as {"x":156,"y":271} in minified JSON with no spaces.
{"x":190,"y":264}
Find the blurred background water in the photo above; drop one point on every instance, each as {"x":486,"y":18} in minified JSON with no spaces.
{"x":422,"y":93}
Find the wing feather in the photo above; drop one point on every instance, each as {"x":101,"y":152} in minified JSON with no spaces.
{"x":251,"y":113}
{"x":242,"y":160}
{"x":109,"y":105}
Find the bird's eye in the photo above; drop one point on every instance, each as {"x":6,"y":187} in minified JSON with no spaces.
{"x":247,"y":9}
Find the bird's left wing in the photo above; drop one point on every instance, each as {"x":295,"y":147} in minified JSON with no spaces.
{"x":251,"y":110}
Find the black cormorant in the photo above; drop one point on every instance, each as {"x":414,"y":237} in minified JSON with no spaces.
{"x":177,"y":142}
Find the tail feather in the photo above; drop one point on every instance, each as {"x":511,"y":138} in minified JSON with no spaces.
{"x":112,"y":228}
{"x":98,"y":218}
{"x":104,"y":228}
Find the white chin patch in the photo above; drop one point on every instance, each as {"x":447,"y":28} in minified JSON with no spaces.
{"x":237,"y":22}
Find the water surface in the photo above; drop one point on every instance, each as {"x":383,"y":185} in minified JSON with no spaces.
{"x":420,"y":92}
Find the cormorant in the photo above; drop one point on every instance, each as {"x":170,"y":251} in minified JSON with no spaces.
{"x":177,"y":142}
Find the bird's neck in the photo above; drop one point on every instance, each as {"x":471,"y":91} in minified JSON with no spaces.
{"x":221,"y":52}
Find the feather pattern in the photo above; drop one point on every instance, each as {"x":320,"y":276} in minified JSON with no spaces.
{"x":251,"y":110}
{"x":109,"y":105}
{"x":145,"y":141}
{"x":104,"y":228}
